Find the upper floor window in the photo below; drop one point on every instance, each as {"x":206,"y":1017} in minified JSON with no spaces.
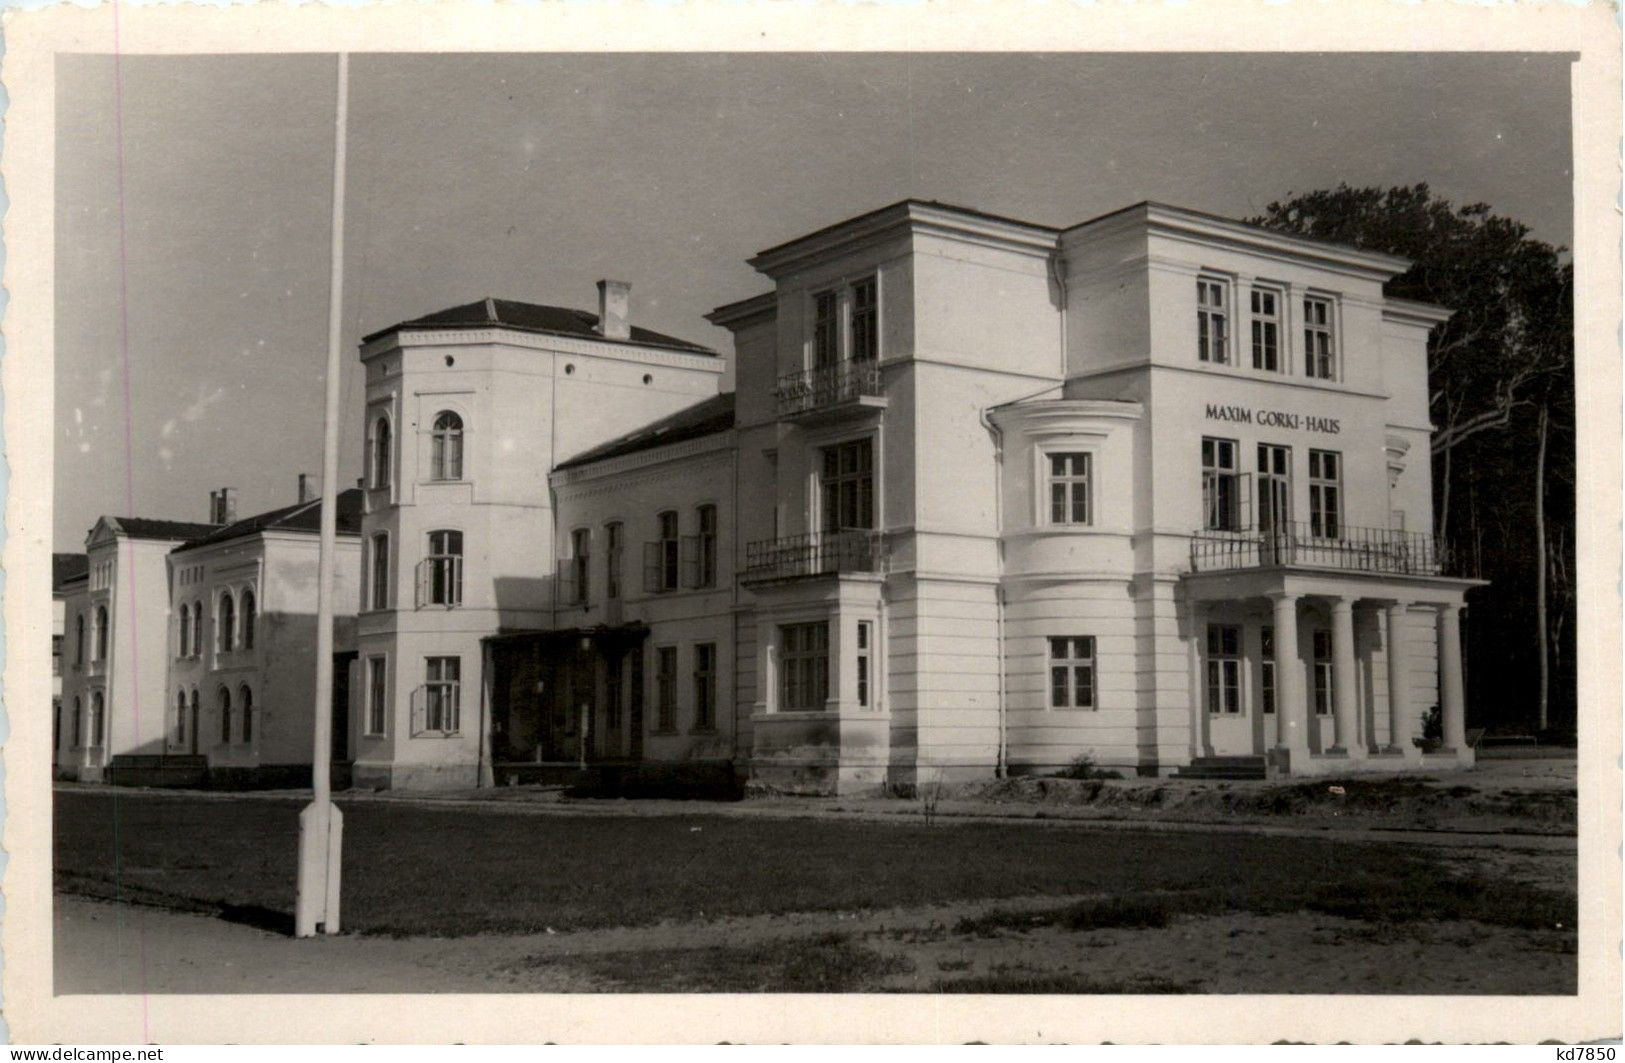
{"x":613,"y":548}
{"x":79,"y":639}
{"x":1212,"y":322}
{"x":100,"y":649}
{"x":197,"y":629}
{"x":381,"y":451}
{"x":661,"y":557}
{"x":1069,"y":476}
{"x":578,"y":567}
{"x":707,"y":564}
{"x":848,"y":486}
{"x":1325,"y":493}
{"x":226,"y":622}
{"x":865,"y":321}
{"x":440,"y":576}
{"x":185,"y":631}
{"x":1221,"y":485}
{"x":826,"y":329}
{"x":1319,"y":350}
{"x":1072,"y":672}
{"x":248,"y":620}
{"x":446,"y":447}
{"x":1266,"y":330}
{"x":380,"y":572}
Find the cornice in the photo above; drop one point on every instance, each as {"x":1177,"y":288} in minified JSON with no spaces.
{"x":907,"y":218}
{"x":498,"y":336}
{"x":581,"y":479}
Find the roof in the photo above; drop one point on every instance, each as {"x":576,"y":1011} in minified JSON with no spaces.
{"x":706,"y":418}
{"x":533,"y":317}
{"x":900,"y":205}
{"x":146,"y":528}
{"x":299,"y":517}
{"x":65,"y":568}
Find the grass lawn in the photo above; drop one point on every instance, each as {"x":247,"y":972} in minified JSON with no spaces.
{"x":453,"y":872}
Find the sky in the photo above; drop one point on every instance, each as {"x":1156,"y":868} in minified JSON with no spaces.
{"x":193,"y":219}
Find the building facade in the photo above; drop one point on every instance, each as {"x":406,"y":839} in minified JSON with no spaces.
{"x":990,"y":496}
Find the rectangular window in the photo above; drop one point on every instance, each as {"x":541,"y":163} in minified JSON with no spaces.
{"x":1319,"y":352}
{"x":377,"y":696}
{"x":1221,"y":485}
{"x":865,"y":664}
{"x":1266,"y":330}
{"x":848,"y":486}
{"x":442,"y":573}
{"x":669,"y":547}
{"x":612,"y":560}
{"x":380,"y":571}
{"x":1223,"y":669}
{"x":1072,"y":672}
{"x":803,"y":667}
{"x":1274,"y":489}
{"x":865,"y":321}
{"x":666,"y":688}
{"x":1069,"y":489}
{"x":56,"y":654}
{"x":1212,"y":322}
{"x":1325,"y":493}
{"x":705,"y":686}
{"x":707,"y":576}
{"x":580,"y":565}
{"x":826,"y":329}
{"x":1266,"y":676}
{"x":442,"y":695}
{"x":1323,"y":673}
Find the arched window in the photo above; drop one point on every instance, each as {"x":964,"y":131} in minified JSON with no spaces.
{"x":79,"y":643}
{"x":98,"y":717}
{"x":197,"y":628}
{"x":101,"y":633}
{"x":446,"y":447}
{"x":78,"y":722}
{"x":186,"y":631}
{"x":246,"y":696}
{"x":248,"y":620}
{"x":225,"y":716}
{"x":226,"y":622}
{"x":196,"y":727}
{"x":180,"y":718}
{"x":380,"y":452}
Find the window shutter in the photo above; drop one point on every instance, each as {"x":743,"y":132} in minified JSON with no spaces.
{"x":455,"y":592}
{"x":567,"y":581}
{"x":422,"y":582}
{"x":651,"y":567}
{"x":1244,"y":492}
{"x":690,"y":561}
{"x":419,"y":709}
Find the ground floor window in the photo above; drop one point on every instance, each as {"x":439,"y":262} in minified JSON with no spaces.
{"x":865,"y":663}
{"x":224,"y":699}
{"x":804,"y":667}
{"x":1223,"y":668}
{"x":247,"y":697}
{"x":1072,"y":672}
{"x":377,"y":706}
{"x":1323,"y":673}
{"x":1266,"y":675}
{"x":666,"y":688}
{"x":705,"y":686}
{"x":442,"y":694}
{"x":612,"y":695}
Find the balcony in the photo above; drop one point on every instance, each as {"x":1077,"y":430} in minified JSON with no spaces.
{"x":830,"y":390}
{"x":822,"y":554}
{"x":1381,"y":551}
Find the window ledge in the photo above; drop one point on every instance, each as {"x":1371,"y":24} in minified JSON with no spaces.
{"x":430,"y":734}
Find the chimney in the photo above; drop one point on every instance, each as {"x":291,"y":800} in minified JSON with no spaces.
{"x":305,"y":493}
{"x":223,"y":505}
{"x":614,"y":309}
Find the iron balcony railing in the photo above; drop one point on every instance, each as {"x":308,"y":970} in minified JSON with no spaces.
{"x":1378,"y":550}
{"x":828,"y":385}
{"x":820,"y":554}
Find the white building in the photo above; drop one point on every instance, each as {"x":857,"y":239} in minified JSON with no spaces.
{"x":1152,"y":490}
{"x":68,"y":574}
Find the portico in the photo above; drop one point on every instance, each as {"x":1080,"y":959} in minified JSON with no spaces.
{"x":1318,"y":671}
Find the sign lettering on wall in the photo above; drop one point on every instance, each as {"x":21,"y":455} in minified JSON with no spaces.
{"x":1307,"y":422}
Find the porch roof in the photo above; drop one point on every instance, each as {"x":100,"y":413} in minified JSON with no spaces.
{"x":597,"y":633}
{"x":1309,"y":581}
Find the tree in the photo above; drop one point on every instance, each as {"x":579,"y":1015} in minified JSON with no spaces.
{"x":1500,"y":375}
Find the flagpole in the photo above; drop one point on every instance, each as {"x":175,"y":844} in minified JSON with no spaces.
{"x":321,"y":828}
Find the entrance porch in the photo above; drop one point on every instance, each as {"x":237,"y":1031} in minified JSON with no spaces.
{"x":1319,"y":672}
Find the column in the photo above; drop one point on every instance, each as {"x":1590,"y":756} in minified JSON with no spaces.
{"x":1344,"y":707}
{"x":1289,"y":695}
{"x":1452,"y":700}
{"x":1401,"y":720}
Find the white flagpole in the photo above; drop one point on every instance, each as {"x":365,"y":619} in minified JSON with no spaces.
{"x":321,"y":828}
